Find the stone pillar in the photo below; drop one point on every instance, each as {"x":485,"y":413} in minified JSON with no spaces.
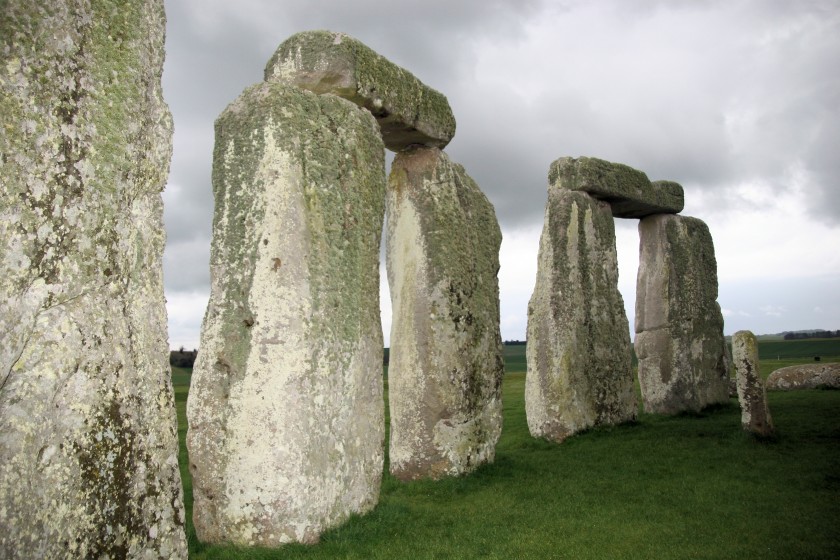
{"x":752,"y":395}
{"x":679,"y":326}
{"x":446,"y":366}
{"x":286,"y":406}
{"x":88,"y":434}
{"x":579,"y":360}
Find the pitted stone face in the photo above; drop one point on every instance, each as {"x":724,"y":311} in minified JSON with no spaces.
{"x":683,"y":360}
{"x":446,"y":367}
{"x":408,"y":111}
{"x":89,"y":448}
{"x":809,"y":376}
{"x":628,"y":191}
{"x":579,"y":361}
{"x":285,"y":409}
{"x":752,"y":395}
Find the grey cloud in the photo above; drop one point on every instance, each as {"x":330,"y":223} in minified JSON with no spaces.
{"x":712,"y":94}
{"x":185,"y":265}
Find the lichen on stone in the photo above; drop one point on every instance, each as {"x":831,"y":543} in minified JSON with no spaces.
{"x":408,"y":111}
{"x":752,"y":394}
{"x":683,"y":362}
{"x":628,"y":191}
{"x":446,"y":365}
{"x":285,"y":408}
{"x":86,"y":404}
{"x":578,"y":353}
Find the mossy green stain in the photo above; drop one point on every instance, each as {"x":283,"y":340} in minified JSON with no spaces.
{"x":398,"y":100}
{"x":108,"y":458}
{"x":344,"y":203}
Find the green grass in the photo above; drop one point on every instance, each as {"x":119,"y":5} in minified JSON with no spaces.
{"x":808,"y":348}
{"x":690,"y":486}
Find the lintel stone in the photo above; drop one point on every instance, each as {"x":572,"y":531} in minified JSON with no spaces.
{"x":628,"y":191}
{"x":408,"y":111}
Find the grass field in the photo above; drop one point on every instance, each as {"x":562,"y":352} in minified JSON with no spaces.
{"x":690,"y":486}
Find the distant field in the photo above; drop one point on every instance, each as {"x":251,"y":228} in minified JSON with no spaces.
{"x":515,"y":358}
{"x":808,"y":348}
{"x":774,"y":354}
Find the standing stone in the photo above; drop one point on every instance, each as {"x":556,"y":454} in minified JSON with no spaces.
{"x":408,"y":111}
{"x":579,"y":359}
{"x":286,"y":405}
{"x":88,"y":434}
{"x":683,"y":362}
{"x":755,"y":415}
{"x":446,"y":365}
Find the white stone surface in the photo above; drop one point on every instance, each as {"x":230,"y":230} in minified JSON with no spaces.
{"x":88,"y":435}
{"x":286,"y":405}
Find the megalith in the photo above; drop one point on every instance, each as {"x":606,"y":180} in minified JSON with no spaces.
{"x":88,"y":434}
{"x":579,"y":354}
{"x":286,"y":412}
{"x":752,"y":395}
{"x":683,"y":361}
{"x":807,"y":376}
{"x":629,"y":191}
{"x":408,"y":111}
{"x":446,"y":366}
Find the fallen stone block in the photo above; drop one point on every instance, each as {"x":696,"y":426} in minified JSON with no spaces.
{"x":808,"y":376}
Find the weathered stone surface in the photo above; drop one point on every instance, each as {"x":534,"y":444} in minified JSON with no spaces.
{"x":755,"y":415}
{"x":683,"y":359}
{"x":579,"y":359}
{"x":88,"y":434}
{"x":809,"y":376}
{"x":285,"y":409}
{"x":408,"y":111}
{"x":629,"y":192}
{"x":446,"y":366}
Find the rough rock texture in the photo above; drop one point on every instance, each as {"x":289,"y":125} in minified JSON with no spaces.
{"x":446,"y":366}
{"x":683,"y":359}
{"x":755,"y":415}
{"x":579,"y":358}
{"x":285,"y":409}
{"x":629,"y":192}
{"x":408,"y":112}
{"x":88,"y":435}
{"x":809,"y":376}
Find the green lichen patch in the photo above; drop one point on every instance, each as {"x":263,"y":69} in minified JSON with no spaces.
{"x":408,"y":111}
{"x":629,"y":191}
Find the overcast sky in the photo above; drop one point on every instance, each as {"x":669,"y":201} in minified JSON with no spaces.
{"x":738,"y":101}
